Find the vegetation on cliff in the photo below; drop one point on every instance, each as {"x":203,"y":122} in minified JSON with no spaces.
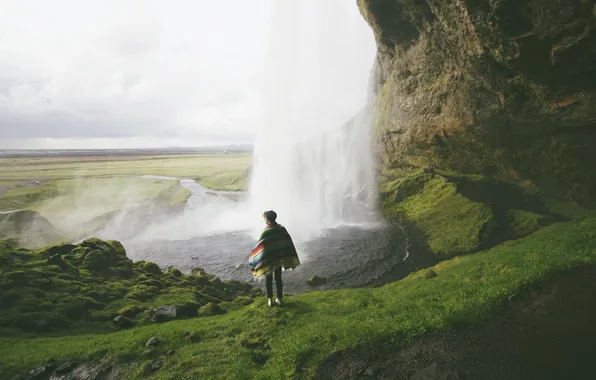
{"x":504,"y":89}
{"x":290,"y":342}
{"x":454,"y":214}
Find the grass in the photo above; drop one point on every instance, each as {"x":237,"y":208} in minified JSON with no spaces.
{"x":208,"y":168}
{"x":111,"y":194}
{"x":289,"y":342}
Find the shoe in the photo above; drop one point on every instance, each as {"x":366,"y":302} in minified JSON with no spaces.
{"x":279,"y":301}
{"x":270,"y":301}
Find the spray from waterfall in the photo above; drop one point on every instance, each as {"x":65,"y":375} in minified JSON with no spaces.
{"x":312,"y":160}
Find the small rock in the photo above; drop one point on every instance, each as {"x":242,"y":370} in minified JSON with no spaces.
{"x":155,"y":365}
{"x":122,"y":322}
{"x":42,"y":371}
{"x":316,"y":281}
{"x":38,"y":373}
{"x":163,"y":313}
{"x":152,"y":342}
{"x":65,"y":368}
{"x":170,"y":352}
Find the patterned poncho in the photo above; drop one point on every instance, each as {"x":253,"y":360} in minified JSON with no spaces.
{"x":275,"y":249}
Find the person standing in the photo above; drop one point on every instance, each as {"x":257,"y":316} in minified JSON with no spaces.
{"x":274,"y":251}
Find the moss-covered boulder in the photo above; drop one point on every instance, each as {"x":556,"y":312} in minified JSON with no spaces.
{"x":151,"y":267}
{"x":211,"y":309}
{"x":95,"y":286}
{"x":457,"y":214}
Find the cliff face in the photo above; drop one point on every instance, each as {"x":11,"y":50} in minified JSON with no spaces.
{"x":504,"y":88}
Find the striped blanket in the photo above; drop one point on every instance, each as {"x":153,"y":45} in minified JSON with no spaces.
{"x":275,"y":249}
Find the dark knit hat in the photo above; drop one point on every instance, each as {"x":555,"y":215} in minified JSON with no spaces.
{"x":270,"y":215}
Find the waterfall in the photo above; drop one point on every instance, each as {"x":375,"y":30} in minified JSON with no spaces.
{"x":312,"y":160}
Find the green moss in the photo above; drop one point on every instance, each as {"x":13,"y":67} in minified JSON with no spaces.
{"x":130,"y":311}
{"x":243,"y":300}
{"x":456,"y":214}
{"x":99,"y":286}
{"x":150,"y":267}
{"x":452,"y":223}
{"x":211,"y":309}
{"x":524,"y":223}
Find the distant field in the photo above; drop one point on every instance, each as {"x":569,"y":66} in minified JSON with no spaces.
{"x":60,"y":187}
{"x":216,"y":171}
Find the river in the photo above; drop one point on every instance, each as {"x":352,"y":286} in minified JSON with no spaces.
{"x":347,"y":256}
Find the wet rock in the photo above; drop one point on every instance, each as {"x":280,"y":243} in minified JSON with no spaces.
{"x":38,"y":373}
{"x":122,"y":322}
{"x":163,"y":314}
{"x":93,"y":371}
{"x":65,"y":368}
{"x":316,"y":281}
{"x":152,"y":342}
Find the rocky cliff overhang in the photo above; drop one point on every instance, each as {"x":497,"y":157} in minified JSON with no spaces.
{"x":501,"y":88}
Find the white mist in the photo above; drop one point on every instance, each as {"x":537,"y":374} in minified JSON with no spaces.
{"x":312,"y":161}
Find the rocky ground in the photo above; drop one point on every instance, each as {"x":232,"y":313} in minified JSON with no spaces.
{"x":95,"y":286}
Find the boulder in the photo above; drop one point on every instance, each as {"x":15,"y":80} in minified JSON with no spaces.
{"x":163,"y":313}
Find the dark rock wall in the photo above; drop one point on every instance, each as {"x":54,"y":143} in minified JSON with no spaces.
{"x":503,"y":88}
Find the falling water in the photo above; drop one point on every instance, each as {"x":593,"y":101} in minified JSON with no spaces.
{"x":312,"y":160}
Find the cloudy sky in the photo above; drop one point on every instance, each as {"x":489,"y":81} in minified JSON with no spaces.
{"x":134,"y":73}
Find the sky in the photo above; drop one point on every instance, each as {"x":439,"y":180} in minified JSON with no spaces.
{"x":131,"y":74}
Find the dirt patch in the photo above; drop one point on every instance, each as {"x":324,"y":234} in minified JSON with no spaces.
{"x":548,"y":333}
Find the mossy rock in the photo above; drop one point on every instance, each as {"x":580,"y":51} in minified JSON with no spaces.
{"x":122,"y":322}
{"x":243,"y":300}
{"x":451,"y":223}
{"x":205,"y":298}
{"x":188,"y":309}
{"x":151,"y":267}
{"x":142,"y":292}
{"x":174,"y":272}
{"x":211,"y":309}
{"x":457,"y":214}
{"x":150,"y":282}
{"x":35,"y":286}
{"x":59,"y":249}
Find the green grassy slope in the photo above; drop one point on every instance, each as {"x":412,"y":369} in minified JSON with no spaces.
{"x":289,"y":342}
